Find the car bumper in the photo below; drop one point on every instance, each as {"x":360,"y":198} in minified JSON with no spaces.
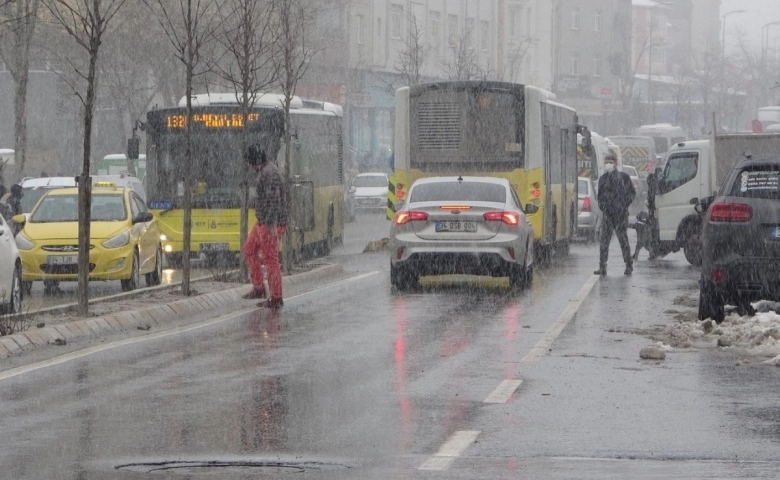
{"x":105,"y":264}
{"x":751,"y":278}
{"x":493,"y":257}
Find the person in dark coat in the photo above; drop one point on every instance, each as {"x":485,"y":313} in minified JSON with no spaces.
{"x":615,"y":195}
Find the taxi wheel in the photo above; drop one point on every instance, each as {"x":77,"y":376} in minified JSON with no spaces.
{"x":155,"y":277}
{"x":132,"y":283}
{"x":27,"y":287}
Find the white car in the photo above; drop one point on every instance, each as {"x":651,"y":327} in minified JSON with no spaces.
{"x":588,"y":211}
{"x":10,"y":271}
{"x":631,"y":171}
{"x":370,"y":191}
{"x":35,"y":188}
{"x":461,"y":225}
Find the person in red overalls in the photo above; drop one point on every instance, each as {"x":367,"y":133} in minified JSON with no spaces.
{"x":271,"y":212}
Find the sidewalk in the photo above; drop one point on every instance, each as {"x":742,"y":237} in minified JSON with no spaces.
{"x":158,"y":314}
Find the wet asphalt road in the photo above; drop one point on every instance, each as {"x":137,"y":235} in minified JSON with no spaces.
{"x":352,"y":382}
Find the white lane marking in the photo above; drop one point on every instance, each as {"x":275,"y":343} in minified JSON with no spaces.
{"x":504,"y":390}
{"x":452,"y":448}
{"x":568,"y":313}
{"x":13,"y":372}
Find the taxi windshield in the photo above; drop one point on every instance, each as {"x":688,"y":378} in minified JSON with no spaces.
{"x":64,"y":208}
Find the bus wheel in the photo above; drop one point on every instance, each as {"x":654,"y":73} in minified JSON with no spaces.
{"x":328,"y":245}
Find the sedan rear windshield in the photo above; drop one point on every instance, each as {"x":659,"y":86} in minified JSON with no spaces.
{"x":757,"y":182}
{"x":370,"y":181}
{"x":458,"y":192}
{"x":582,"y":187}
{"x":65,"y":208}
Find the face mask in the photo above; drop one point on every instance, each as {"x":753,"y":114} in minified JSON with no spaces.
{"x":609,"y":167}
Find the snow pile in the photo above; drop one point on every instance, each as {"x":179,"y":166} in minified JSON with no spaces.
{"x":757,"y":335}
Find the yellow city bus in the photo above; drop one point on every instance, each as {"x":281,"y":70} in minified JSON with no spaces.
{"x":316,"y":166}
{"x":507,"y":130}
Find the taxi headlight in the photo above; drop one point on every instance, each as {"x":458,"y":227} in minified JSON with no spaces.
{"x":119,"y":241}
{"x":23,"y":244}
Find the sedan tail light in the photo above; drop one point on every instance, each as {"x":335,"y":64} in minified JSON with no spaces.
{"x":730,"y":212}
{"x":586,"y":204}
{"x":510,"y":218}
{"x":405,"y":216}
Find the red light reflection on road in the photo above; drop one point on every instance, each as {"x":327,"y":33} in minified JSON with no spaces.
{"x":509,"y":347}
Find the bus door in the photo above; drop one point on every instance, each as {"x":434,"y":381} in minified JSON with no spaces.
{"x":548,"y":234}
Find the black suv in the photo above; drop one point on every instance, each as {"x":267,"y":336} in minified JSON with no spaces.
{"x":741,"y":240}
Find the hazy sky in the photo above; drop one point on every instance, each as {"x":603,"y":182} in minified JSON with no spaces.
{"x":757,"y":13}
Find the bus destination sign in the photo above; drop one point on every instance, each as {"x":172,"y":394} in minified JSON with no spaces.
{"x":211,"y":120}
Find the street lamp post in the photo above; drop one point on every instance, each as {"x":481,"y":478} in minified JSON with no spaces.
{"x":723,"y":60}
{"x":765,"y":39}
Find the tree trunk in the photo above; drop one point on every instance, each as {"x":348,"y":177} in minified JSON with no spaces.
{"x":20,"y":124}
{"x":187,"y":199}
{"x":85,"y":186}
{"x":286,"y":260}
{"x":244,"y":221}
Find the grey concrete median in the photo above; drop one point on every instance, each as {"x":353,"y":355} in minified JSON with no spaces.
{"x":157,"y":315}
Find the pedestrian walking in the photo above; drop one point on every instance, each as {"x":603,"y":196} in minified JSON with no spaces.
{"x":615,"y":195}
{"x":11,"y":205}
{"x":263,"y":240}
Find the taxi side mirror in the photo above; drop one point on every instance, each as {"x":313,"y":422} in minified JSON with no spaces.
{"x":143,"y":217}
{"x":20,"y":219}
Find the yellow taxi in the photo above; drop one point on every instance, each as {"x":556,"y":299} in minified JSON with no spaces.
{"x":125,"y":238}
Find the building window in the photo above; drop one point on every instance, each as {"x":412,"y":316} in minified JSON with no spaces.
{"x":597,"y":65}
{"x":515,"y":21}
{"x":359,"y":29}
{"x":484,"y":35}
{"x":452,"y":29}
{"x":659,"y":56}
{"x":470,"y":32}
{"x":575,"y":18}
{"x":575,"y":64}
{"x":597,"y":21}
{"x":435,"y":30}
{"x":396,"y":15}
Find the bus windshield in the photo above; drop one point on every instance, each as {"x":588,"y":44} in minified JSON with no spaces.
{"x":468,"y":129}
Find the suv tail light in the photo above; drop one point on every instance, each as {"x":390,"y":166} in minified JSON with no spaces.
{"x":586,"y":204}
{"x":405,"y":216}
{"x":510,"y":218}
{"x":730,"y":212}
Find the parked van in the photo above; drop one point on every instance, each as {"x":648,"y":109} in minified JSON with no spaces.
{"x":664,"y":135}
{"x":639,"y":152}
{"x":35,"y":188}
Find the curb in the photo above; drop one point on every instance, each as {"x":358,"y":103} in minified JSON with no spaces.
{"x":143,"y":319}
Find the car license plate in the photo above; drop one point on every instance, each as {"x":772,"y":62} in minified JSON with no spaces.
{"x":774,"y":233}
{"x":62,"y":259}
{"x":456,"y":226}
{"x":214,"y":247}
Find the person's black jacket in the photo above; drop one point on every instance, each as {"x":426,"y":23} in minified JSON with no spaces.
{"x":616,"y":193}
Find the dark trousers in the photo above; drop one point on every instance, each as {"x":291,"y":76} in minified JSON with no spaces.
{"x":619,"y":225}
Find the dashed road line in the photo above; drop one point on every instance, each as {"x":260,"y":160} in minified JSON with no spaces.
{"x":565,"y":317}
{"x":452,"y":448}
{"x":503,"y":392}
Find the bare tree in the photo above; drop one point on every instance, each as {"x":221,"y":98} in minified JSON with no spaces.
{"x":247,"y":68}
{"x":516,"y":56}
{"x":85,"y":21}
{"x":463,"y":61}
{"x":22,"y":18}
{"x":411,"y":59}
{"x":190,"y":26}
{"x":292,"y":54}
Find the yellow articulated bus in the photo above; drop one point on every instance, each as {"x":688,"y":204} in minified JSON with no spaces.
{"x":316,"y":166}
{"x":496,"y":129}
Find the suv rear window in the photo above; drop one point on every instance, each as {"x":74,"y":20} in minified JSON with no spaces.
{"x":757,"y":182}
{"x":458,"y":192}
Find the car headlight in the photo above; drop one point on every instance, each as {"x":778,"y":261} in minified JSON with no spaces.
{"x":119,"y":241}
{"x":23,"y":244}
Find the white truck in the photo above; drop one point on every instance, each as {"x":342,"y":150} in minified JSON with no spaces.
{"x":694,"y":171}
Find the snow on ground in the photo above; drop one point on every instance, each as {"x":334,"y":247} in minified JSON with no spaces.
{"x":758,"y":335}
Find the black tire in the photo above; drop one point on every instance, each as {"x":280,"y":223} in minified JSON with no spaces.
{"x":711,"y":304}
{"x":50,"y":287}
{"x":520,"y":277}
{"x":155,"y":277}
{"x":692,"y":251}
{"x":327,"y":246}
{"x":403,"y":279}
{"x":14,"y":305}
{"x":135,"y":276}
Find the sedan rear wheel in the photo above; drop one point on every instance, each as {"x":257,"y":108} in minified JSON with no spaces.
{"x":403,"y":279}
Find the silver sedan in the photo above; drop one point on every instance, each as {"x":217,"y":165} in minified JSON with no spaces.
{"x":461,"y":225}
